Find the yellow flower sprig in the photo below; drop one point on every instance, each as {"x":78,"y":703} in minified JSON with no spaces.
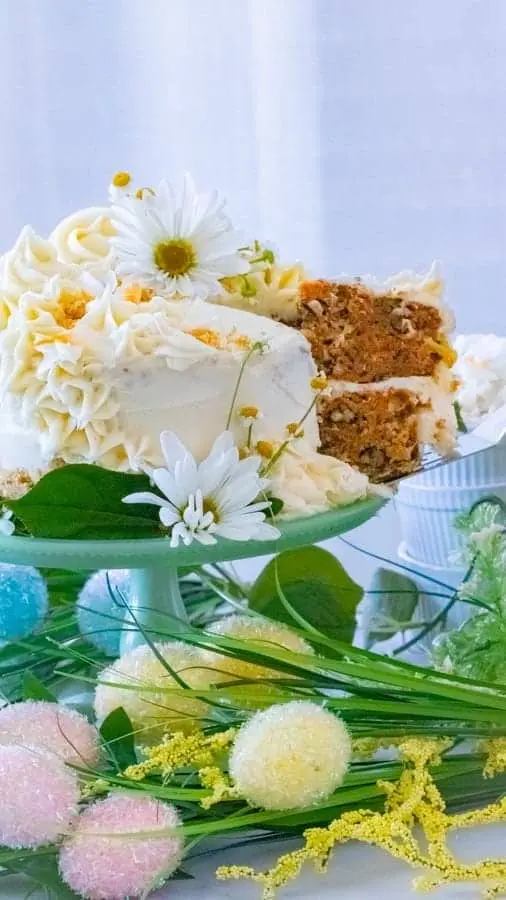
{"x":412,"y":801}
{"x":179,"y":751}
{"x":218,"y":783}
{"x":496,"y":756}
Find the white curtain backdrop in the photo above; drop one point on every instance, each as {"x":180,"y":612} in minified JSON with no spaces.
{"x":359,"y":136}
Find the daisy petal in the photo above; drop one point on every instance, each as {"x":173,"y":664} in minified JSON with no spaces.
{"x":168,"y":517}
{"x":267,"y":532}
{"x":204,"y":537}
{"x":145,"y":497}
{"x":172,"y":448}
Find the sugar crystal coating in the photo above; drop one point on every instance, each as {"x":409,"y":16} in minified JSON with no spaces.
{"x":290,"y":756}
{"x":99,"y":866}
{"x":52,"y":726}
{"x":152,"y":698}
{"x":39,"y":797}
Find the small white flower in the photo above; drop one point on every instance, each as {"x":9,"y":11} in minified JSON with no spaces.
{"x":178,"y":245}
{"x":484,"y":538}
{"x":7,"y":527}
{"x":216,"y":497}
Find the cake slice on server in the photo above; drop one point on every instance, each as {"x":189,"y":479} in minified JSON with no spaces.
{"x":384,"y":349}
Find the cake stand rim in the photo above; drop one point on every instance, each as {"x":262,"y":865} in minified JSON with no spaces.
{"x":139,"y":553}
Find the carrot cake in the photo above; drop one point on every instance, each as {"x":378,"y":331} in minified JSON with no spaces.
{"x":108,"y":338}
{"x":384,"y":350}
{"x":118,"y":326}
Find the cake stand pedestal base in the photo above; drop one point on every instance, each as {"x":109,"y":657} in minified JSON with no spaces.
{"x":156,"y":605}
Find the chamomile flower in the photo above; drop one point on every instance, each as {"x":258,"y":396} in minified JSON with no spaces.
{"x":181,"y":245}
{"x":217,"y":497}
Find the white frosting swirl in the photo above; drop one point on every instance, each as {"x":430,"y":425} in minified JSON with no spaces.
{"x":308,"y":482}
{"x":150,"y":334}
{"x":28,"y":266}
{"x":51,"y":367}
{"x":481,"y":370}
{"x":83,"y":239}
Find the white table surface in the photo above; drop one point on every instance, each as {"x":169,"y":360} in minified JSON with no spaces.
{"x":356,"y":872}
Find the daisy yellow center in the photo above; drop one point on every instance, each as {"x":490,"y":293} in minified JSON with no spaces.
{"x":71,"y":307}
{"x":265,"y":449}
{"x":241,"y":341}
{"x":295,"y":430}
{"x":249,"y":412}
{"x":319,"y":382}
{"x":145,"y":190}
{"x":135,"y":293}
{"x":208,"y":505}
{"x":175,"y":257}
{"x":206,"y":336}
{"x":121,"y":179}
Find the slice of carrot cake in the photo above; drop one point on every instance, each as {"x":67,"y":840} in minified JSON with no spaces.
{"x":385,"y":351}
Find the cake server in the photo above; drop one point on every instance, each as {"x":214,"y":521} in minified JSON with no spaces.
{"x":490,"y":433}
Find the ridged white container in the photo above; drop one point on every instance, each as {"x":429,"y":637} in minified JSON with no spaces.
{"x":428,"y":504}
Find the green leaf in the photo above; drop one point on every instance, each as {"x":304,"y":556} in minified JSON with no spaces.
{"x":44,"y":871}
{"x":34,"y":689}
{"x":275,"y":507}
{"x":85,"y":501}
{"x":118,"y":733}
{"x":317,"y":587}
{"x":389,"y":602}
{"x":477,"y":649}
{"x":488,"y":510}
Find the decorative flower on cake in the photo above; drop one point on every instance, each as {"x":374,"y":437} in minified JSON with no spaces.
{"x":181,"y":245}
{"x":268,"y":288}
{"x":214,"y":498}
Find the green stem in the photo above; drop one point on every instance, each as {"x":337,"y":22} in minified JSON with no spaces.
{"x":441,"y":616}
{"x":254,"y":349}
{"x":273,"y":460}
{"x":396,"y":564}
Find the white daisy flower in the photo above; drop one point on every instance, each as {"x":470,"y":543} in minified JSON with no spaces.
{"x":179,"y":245}
{"x":216,"y":497}
{"x":7,"y":527}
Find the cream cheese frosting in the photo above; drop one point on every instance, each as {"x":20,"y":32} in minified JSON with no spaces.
{"x":28,"y":265}
{"x":481,"y":372}
{"x":88,"y":381}
{"x":308,"y":482}
{"x":83,"y":239}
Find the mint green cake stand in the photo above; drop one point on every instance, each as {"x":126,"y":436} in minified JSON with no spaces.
{"x":155,"y":598}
